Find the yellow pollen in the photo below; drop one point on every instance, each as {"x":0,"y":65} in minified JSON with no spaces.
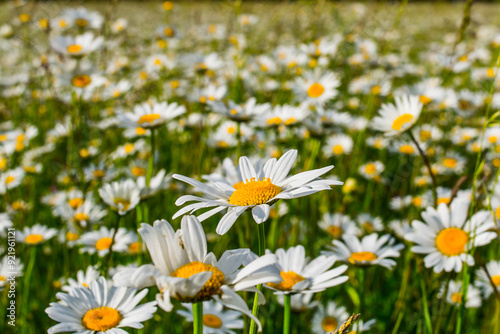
{"x":338,"y":149}
{"x":75,"y":202}
{"x":450,"y":162}
{"x":274,"y":121}
{"x":290,"y":278}
{"x":370,"y":168}
{"x":496,"y":280}
{"x":315,"y":90}
{"x":9,"y":179}
{"x":400,"y":121}
{"x":335,"y":231}
{"x":103,"y":243}
{"x":444,"y":200}
{"x":33,"y":239}
{"x":211,"y":287}
{"x":70,"y":236}
{"x":254,"y":192}
{"x":149,"y":118}
{"x":231,"y":130}
{"x":74,"y":48}
{"x":456,"y":297}
{"x":451,"y":241}
{"x":212,"y":321}
{"x":101,"y":319}
{"x":362,"y":256}
{"x":406,"y":149}
{"x":138,"y":171}
{"x":125,"y":204}
{"x":329,"y":324}
{"x":81,"y":216}
{"x":425,"y":99}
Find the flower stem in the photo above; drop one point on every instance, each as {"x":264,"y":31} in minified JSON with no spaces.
{"x":262,"y":249}
{"x":198,"y":318}
{"x":428,"y":165}
{"x":27,"y":279}
{"x":427,"y":316}
{"x":151,"y":159}
{"x":286,"y":320}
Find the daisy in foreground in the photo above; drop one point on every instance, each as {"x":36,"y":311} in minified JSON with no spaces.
{"x":257,"y":191}
{"x":447,"y":237}
{"x":396,"y":118}
{"x":100,"y":308}
{"x":182,"y":268}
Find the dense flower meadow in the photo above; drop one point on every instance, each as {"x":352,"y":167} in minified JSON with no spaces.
{"x":290,"y":168}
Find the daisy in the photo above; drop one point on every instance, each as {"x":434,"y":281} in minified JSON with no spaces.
{"x":9,"y":268}
{"x":150,"y":115}
{"x":316,"y":89}
{"x":338,"y":145}
{"x":35,"y":234}
{"x":371,"y":250}
{"x":327,"y":319}
{"x":86,"y":214}
{"x":82,"y":18}
{"x":182,"y":268}
{"x":446,"y":236}
{"x":158,"y":182}
{"x":337,"y":224}
{"x":100,"y":308}
{"x":216,"y":320}
{"x":454,"y":295}
{"x":11,"y":179}
{"x":369,"y":223}
{"x":396,"y":118}
{"x":299,"y":274}
{"x":372,"y":170}
{"x":283,"y":115}
{"x":257,"y":192}
{"x":82,"y":279}
{"x":483,"y":281}
{"x":451,"y":163}
{"x":76,"y":46}
{"x":121,"y":196}
{"x":240,"y":112}
{"x":100,"y":241}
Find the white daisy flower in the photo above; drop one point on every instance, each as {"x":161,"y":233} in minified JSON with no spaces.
{"x":396,"y":118}
{"x":454,"y":295}
{"x":158,"y":182}
{"x":337,"y":145}
{"x":257,"y":192}
{"x":446,"y":236}
{"x":100,"y":241}
{"x":240,"y":112}
{"x":150,"y":115}
{"x":483,"y":281}
{"x":11,"y":179}
{"x":451,"y":163}
{"x":77,"y":46}
{"x":35,"y":234}
{"x":82,"y":18}
{"x":182,"y":268}
{"x":82,"y":279}
{"x":372,"y":170}
{"x":100,"y":308}
{"x":121,"y":196}
{"x":369,"y":223}
{"x":371,"y":250}
{"x":299,"y":274}
{"x":316,"y":89}
{"x":283,"y":115}
{"x":327,"y":319}
{"x":337,"y":224}
{"x":216,"y":320}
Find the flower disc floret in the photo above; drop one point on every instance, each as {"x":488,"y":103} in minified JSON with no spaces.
{"x":211,"y":287}
{"x":254,"y":192}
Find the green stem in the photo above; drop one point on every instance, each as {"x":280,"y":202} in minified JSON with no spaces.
{"x":26,"y":288}
{"x":151,"y":159}
{"x":198,"y":318}
{"x":428,"y":165}
{"x":262,"y":249}
{"x":286,"y":320}
{"x":427,"y":316}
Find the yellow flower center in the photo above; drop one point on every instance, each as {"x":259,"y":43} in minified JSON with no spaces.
{"x":211,"y":287}
{"x":376,"y":90}
{"x":425,"y":135}
{"x":290,"y":278}
{"x":2,"y":279}
{"x":70,"y":236}
{"x":103,"y":243}
{"x":9,"y":179}
{"x":33,"y":239}
{"x":168,"y":5}
{"x":334,"y":231}
{"x":451,"y":241}
{"x":18,"y":205}
{"x":315,"y":90}
{"x":425,"y":99}
{"x":74,"y":48}
{"x":75,"y":202}
{"x":125,"y":204}
{"x":254,"y":192}
{"x":362,"y":256}
{"x":82,"y":23}
{"x":492,"y":139}
{"x":401,"y":120}
{"x":456,"y":297}
{"x":101,"y":318}
{"x":212,"y":321}
{"x":138,"y":171}
{"x":290,"y":121}
{"x":81,"y":216}
{"x":81,"y":81}
{"x":149,"y":118}
{"x":450,"y":162}
{"x":99,"y":173}
{"x":24,"y":18}
{"x":128,"y":148}
{"x":496,"y":280}
{"x":417,"y":201}
{"x":169,"y":32}
{"x":406,"y":149}
{"x":444,"y":200}
{"x":329,"y":324}
{"x":274,"y":121}
{"x":231,"y":130}
{"x":370,"y":168}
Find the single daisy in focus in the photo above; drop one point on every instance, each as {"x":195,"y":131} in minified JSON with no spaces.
{"x":100,"y":308}
{"x":446,"y":236}
{"x":216,"y":320}
{"x":483,"y":281}
{"x":337,"y":224}
{"x":35,"y":234}
{"x":82,"y":279}
{"x":327,"y":319}
{"x":257,"y":191}
{"x":102,"y":240}
{"x":338,"y":145}
{"x":76,"y":46}
{"x":454,"y":295}
{"x":301,"y":275}
{"x":396,"y":118}
{"x":371,"y":250}
{"x":150,"y":115}
{"x":121,"y":196}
